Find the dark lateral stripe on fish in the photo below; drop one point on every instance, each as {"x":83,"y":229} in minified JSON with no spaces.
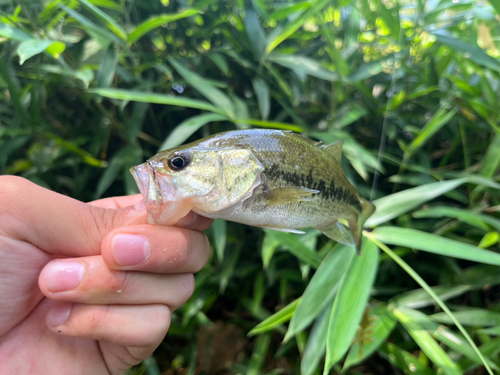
{"x":326,"y":191}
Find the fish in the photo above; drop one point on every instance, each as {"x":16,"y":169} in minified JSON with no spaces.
{"x":272,"y":179}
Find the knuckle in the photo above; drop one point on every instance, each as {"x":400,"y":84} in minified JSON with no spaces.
{"x":203,"y":250}
{"x":96,"y":221}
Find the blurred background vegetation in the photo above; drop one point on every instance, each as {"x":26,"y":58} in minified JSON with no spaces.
{"x":89,"y":88}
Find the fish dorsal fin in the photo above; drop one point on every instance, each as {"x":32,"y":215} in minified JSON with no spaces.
{"x":335,"y":149}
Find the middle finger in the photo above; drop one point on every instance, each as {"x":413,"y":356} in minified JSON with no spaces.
{"x":87,"y":280}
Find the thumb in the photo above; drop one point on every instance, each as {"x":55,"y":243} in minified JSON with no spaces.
{"x":56,"y":223}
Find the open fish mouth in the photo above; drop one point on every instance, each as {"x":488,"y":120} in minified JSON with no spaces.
{"x":155,"y":189}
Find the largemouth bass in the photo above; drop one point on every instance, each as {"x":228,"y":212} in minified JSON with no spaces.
{"x":267,"y":178}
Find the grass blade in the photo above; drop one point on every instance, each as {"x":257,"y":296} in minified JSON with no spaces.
{"x":409,"y":319}
{"x":187,"y":128}
{"x":321,"y":288}
{"x":471,"y":317}
{"x":263,"y":98}
{"x":399,"y":203}
{"x":275,"y":320}
{"x":297,"y":248}
{"x":316,"y":344}
{"x":157,"y":21}
{"x":206,"y":88}
{"x":415,"y":239}
{"x":429,"y":290}
{"x":148,"y":97}
{"x":103,"y":17}
{"x":350,"y":303}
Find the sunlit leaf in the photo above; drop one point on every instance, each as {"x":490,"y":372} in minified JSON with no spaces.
{"x":110,"y":22}
{"x":157,"y":21}
{"x":32,"y":47}
{"x":416,"y":239}
{"x":277,"y":319}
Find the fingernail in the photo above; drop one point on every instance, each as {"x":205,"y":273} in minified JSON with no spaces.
{"x":58,"y":315}
{"x":130,"y":249}
{"x":60,"y":276}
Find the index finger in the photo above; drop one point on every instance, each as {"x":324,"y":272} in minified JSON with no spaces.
{"x":190,"y":221}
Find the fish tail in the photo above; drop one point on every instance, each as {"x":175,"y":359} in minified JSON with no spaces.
{"x":356,"y":226}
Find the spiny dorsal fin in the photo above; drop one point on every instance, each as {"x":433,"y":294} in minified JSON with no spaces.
{"x":335,"y":149}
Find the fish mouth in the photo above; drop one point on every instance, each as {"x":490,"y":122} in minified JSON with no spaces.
{"x":156,"y":189}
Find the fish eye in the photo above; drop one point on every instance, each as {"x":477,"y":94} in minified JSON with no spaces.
{"x":178,"y":161}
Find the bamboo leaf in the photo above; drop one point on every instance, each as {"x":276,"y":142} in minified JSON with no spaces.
{"x":399,"y":203}
{"x":103,"y":17}
{"x":187,"y":128}
{"x":432,"y":243}
{"x":321,"y":289}
{"x":350,"y":303}
{"x":206,"y":88}
{"x":275,"y":320}
{"x":148,"y":97}
{"x":157,"y":21}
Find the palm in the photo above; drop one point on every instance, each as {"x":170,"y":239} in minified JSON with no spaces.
{"x":23,"y":323}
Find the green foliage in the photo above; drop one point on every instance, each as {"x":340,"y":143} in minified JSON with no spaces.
{"x":90,"y":88}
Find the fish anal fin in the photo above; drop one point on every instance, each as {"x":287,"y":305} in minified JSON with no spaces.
{"x":339,"y":233}
{"x":335,"y":150}
{"x":289,"y":230}
{"x":289,"y":195}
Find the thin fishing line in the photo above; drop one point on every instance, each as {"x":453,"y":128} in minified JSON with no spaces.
{"x":383,"y":136}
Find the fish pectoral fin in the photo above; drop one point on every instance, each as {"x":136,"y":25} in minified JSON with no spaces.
{"x":339,"y":233}
{"x":289,"y":230}
{"x":289,"y":195}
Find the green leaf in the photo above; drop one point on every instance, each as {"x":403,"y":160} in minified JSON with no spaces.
{"x":289,"y":10}
{"x":368,"y":70}
{"x":148,"y":97}
{"x":302,"y":65}
{"x":409,"y":319}
{"x":275,"y":320}
{"x":293,"y":26}
{"x":157,"y":21}
{"x":297,"y":248}
{"x":206,"y":88}
{"x":269,"y":246}
{"x":489,"y":239}
{"x":472,"y":218}
{"x":407,"y":362}
{"x":471,"y":317}
{"x":380,"y":325}
{"x":219,"y":232}
{"x":350,"y":303}
{"x":263,"y":98}
{"x":110,"y":22}
{"x":440,"y":118}
{"x":432,"y":243}
{"x":32,"y":47}
{"x":270,"y":124}
{"x":255,"y":31}
{"x":491,"y":160}
{"x":13,"y":33}
{"x":187,"y":128}
{"x":84,"y":155}
{"x":108,"y":67}
{"x":469,"y":51}
{"x":396,"y":204}
{"x":493,"y":331}
{"x":316,"y":344}
{"x":259,"y":354}
{"x":419,"y":298}
{"x":92,"y":27}
{"x":321,"y":289}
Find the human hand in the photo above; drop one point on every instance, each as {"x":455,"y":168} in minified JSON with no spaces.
{"x":88,"y":288}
